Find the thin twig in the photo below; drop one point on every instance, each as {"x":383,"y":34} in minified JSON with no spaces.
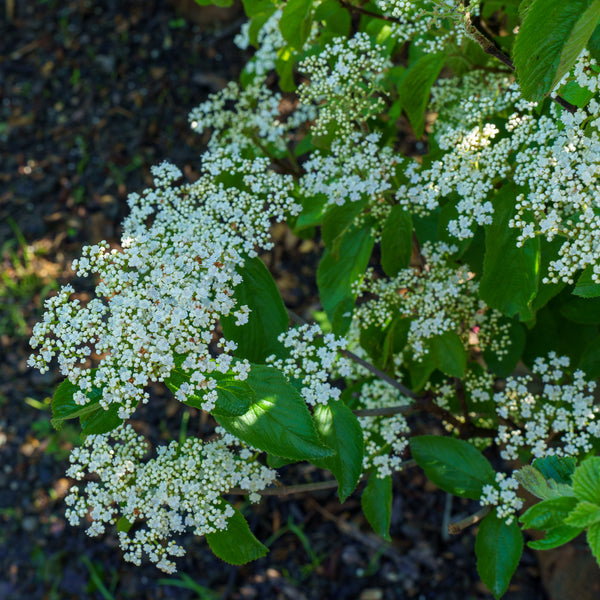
{"x":456,"y":527}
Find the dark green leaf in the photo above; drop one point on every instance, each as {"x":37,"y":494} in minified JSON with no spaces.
{"x":256,"y":7}
{"x":448,"y":353}
{"x":396,"y":241}
{"x":590,"y":359}
{"x":558,"y":468}
{"x":582,"y":310}
{"x":338,"y":220}
{"x":335,"y":276}
{"x":551,"y":37}
{"x":509,"y":280}
{"x":101,"y":421}
{"x":236,"y":545}
{"x":504,"y":365}
{"x":340,"y":430}
{"x":558,"y":536}
{"x":376,"y":502}
{"x":498,"y":548}
{"x":586,"y":287}
{"x":277,"y":420}
{"x":453,"y":465}
{"x":257,"y":339}
{"x":593,"y":540}
{"x":414,"y":88}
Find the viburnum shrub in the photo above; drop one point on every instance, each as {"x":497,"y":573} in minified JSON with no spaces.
{"x":448,"y":154}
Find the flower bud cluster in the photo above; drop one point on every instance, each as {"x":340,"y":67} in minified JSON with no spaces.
{"x":502,"y":495}
{"x":312,"y":357}
{"x":178,"y":490}
{"x":553,"y":415}
{"x":342,"y":79}
{"x":440,"y":298}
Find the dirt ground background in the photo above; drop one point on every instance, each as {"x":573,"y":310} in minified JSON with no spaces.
{"x":93,"y":94}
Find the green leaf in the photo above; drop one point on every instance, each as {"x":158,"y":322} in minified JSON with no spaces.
{"x":93,"y":418}
{"x":594,"y":44}
{"x":277,"y":421}
{"x":548,"y":514}
{"x":339,"y":429}
{"x":583,"y":515}
{"x":586,"y":287}
{"x":586,"y":480}
{"x":252,"y":8}
{"x":498,"y":548}
{"x":236,"y":545}
{"x":509,"y":280}
{"x":558,"y":536}
{"x":593,"y":539}
{"x":453,"y":465}
{"x":551,"y":37}
{"x":376,"y":502}
{"x":335,"y":275}
{"x":582,"y":310}
{"x":414,"y":88}
{"x":257,"y":339}
{"x":448,"y":353}
{"x":396,"y":241}
{"x":234,"y":399}
{"x":590,"y":359}
{"x":338,"y":220}
{"x":558,"y":468}
{"x":296,"y":21}
{"x":124,"y":524}
{"x":336,"y":18}
{"x":535,"y":483}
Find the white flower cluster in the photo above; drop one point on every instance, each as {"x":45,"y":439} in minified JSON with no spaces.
{"x":478,"y":386}
{"x":343,"y":80}
{"x":357,"y":168}
{"x":555,"y":159}
{"x":560,"y":419}
{"x":161,"y":296}
{"x":439,"y":298}
{"x":502,"y":495}
{"x":253,"y":121}
{"x":179,"y":489}
{"x":419,"y":18}
{"x":312,"y":358}
{"x":269,"y":43}
{"x":385,"y":438}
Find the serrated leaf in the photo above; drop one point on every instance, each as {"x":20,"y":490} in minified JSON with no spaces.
{"x":340,"y":430}
{"x":586,"y":480}
{"x":257,"y":338}
{"x":376,"y":502}
{"x":558,"y":468}
{"x":583,"y":515}
{"x":415,"y":87}
{"x":453,"y":465}
{"x":277,"y":420}
{"x":548,"y":514}
{"x":396,"y":241}
{"x":498,"y":548}
{"x":551,"y":37}
{"x":510,"y":274}
{"x":593,"y":540}
{"x":535,"y":483}
{"x":236,"y":545}
{"x":556,"y":537}
{"x":586,"y":287}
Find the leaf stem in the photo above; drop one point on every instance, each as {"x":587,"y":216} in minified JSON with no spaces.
{"x":458,"y":526}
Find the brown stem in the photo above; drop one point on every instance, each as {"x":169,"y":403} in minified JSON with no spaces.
{"x":386,"y":411}
{"x":456,"y":527}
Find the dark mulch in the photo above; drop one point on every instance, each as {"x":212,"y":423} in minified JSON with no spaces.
{"x":93,"y":94}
